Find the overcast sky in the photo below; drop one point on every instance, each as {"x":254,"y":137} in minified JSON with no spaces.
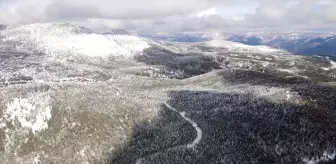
{"x":177,"y":15}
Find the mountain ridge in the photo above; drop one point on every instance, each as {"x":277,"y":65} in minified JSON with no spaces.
{"x":298,"y":43}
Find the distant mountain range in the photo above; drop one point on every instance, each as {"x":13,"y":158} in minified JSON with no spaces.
{"x":192,"y":38}
{"x":305,"y":43}
{"x":298,"y":43}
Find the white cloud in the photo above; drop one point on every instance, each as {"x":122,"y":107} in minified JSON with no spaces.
{"x":176,"y":15}
{"x":111,"y":9}
{"x":205,"y":13}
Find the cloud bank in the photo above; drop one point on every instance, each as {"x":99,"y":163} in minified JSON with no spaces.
{"x":176,"y":15}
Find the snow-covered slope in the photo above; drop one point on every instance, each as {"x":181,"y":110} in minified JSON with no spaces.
{"x":239,"y":46}
{"x":65,"y":39}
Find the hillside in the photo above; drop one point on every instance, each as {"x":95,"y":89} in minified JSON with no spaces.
{"x":71,"y":95}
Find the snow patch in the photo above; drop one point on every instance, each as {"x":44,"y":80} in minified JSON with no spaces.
{"x":265,"y":64}
{"x":327,"y":156}
{"x":288,"y":95}
{"x":82,"y":152}
{"x":291,"y":63}
{"x":238,"y":46}
{"x":32,"y":113}
{"x":287,"y":70}
{"x":2,"y":124}
{"x":326,"y":69}
{"x":36,"y":159}
{"x":333,"y":65}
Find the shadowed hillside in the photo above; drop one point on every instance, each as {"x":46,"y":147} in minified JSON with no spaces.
{"x":236,"y":128}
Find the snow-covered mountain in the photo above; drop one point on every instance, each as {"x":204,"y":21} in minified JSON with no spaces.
{"x":69,"y":47}
{"x":72,"y":95}
{"x":64,"y":39}
{"x":298,"y":43}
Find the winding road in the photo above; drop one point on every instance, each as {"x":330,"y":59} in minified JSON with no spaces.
{"x":190,"y":145}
